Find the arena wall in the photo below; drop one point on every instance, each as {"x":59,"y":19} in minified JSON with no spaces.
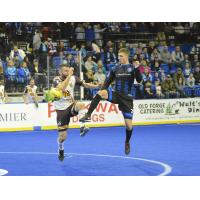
{"x":19,"y":117}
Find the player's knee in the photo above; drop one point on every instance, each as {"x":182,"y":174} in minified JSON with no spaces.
{"x":62,"y":136}
{"x":100,"y":93}
{"x":81,"y":106}
{"x":103,"y":94}
{"x":129,"y":127}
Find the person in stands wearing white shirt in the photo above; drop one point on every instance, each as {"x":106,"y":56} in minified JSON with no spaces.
{"x":98,"y":34}
{"x":3,"y":94}
{"x":177,"y":56}
{"x":158,"y":88}
{"x":30,"y":93}
{"x":190,"y":81}
{"x":65,"y":106}
{"x":37,"y":41}
{"x":80,"y":32}
{"x":99,"y":76}
{"x":17,"y":53}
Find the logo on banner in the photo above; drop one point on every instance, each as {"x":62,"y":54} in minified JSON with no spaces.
{"x":171,"y":109}
{"x":12,"y":117}
{"x":192,"y":106}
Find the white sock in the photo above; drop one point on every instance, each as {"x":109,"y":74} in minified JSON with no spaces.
{"x":81,"y":114}
{"x":82,"y":125}
{"x":60,"y":145}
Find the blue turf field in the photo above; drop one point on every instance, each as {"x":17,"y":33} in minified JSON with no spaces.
{"x":156,"y":150}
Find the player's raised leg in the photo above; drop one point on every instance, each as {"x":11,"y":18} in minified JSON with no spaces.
{"x":78,"y":108}
{"x":102,"y":94}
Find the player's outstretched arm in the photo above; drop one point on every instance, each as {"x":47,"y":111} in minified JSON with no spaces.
{"x":97,"y":98}
{"x":90,"y":85}
{"x":62,"y":86}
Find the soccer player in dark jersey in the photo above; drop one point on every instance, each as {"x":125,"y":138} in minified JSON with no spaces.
{"x":124,"y":75}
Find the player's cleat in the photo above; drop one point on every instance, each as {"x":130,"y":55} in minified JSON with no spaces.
{"x":85,"y":118}
{"x":84,"y":130}
{"x":61,"y":155}
{"x":127,"y":148}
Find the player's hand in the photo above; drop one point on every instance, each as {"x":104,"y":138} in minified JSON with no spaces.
{"x":71,"y":71}
{"x":99,"y":84}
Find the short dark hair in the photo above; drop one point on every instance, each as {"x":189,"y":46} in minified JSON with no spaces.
{"x":124,"y":50}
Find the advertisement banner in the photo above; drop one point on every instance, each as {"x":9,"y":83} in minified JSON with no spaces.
{"x":26,"y":117}
{"x":167,"y":110}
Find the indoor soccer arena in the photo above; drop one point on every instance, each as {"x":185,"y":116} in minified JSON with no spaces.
{"x":99,"y":99}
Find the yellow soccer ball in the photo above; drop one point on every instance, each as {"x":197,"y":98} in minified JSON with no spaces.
{"x":57,"y":94}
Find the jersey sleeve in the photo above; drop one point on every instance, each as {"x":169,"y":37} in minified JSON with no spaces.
{"x":109,"y":79}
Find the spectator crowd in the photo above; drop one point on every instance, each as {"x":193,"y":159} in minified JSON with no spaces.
{"x":170,"y":68}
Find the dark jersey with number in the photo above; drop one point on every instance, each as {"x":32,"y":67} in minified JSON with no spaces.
{"x":124,"y":77}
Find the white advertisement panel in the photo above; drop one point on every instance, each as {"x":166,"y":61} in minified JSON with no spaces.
{"x":167,"y":110}
{"x":25,"y":117}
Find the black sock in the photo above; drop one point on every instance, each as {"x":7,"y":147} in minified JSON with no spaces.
{"x":94,"y":104}
{"x":128,"y":135}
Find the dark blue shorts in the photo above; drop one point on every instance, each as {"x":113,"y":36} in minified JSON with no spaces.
{"x":125,"y":103}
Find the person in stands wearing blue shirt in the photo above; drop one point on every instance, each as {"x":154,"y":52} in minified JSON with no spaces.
{"x":145,"y":54}
{"x":23,"y":76}
{"x":171,"y":47}
{"x":89,"y":34}
{"x":124,"y":75}
{"x":146,"y":76}
{"x":110,"y":56}
{"x":10,"y":74}
{"x":156,"y":77}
